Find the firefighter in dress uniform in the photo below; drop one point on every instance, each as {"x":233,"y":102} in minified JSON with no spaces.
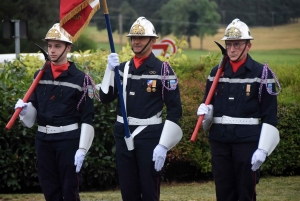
{"x":148,"y":85}
{"x":64,"y":110}
{"x":241,"y":118}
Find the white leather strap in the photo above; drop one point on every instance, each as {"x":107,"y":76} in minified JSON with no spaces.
{"x":54,"y":129}
{"x":126,"y":68}
{"x":141,"y":122}
{"x":233,"y":120}
{"x":129,"y":141}
{"x":138,"y":130}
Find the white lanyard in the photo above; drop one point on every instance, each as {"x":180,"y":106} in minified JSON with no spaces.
{"x":126,"y":68}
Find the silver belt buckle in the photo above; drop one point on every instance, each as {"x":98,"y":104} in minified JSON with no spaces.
{"x":128,"y":120}
{"x":223,"y":120}
{"x":47,"y":127}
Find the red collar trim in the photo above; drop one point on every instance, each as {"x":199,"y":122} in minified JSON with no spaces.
{"x":236,"y":65}
{"x":58,"y":69}
{"x":138,"y":61}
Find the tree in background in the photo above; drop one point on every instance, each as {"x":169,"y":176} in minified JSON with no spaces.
{"x":259,"y":12}
{"x":254,"y":12}
{"x":43,"y":14}
{"x":40,"y":15}
{"x":129,"y":15}
{"x":130,"y":10}
{"x":151,"y":10}
{"x":190,"y":18}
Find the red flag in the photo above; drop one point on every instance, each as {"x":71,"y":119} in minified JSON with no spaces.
{"x":75,"y":15}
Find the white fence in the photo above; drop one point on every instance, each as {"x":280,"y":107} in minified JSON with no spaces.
{"x":12,"y":57}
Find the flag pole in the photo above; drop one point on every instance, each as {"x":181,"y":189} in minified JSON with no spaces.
{"x":112,"y":49}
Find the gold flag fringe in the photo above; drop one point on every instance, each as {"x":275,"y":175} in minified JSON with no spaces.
{"x":89,"y":1}
{"x":79,"y":32}
{"x":73,"y":12}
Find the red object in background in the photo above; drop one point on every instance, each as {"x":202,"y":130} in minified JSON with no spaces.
{"x":162,"y":46}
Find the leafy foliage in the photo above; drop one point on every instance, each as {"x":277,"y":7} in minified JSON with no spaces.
{"x":202,"y":18}
{"x":289,"y":79}
{"x":40,"y":15}
{"x":84,"y":43}
{"x":17,"y":154}
{"x":259,"y":13}
{"x":285,"y":159}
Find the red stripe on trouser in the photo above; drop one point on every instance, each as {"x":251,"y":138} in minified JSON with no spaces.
{"x":157,"y":188}
{"x":77,"y":198}
{"x":254,"y":192}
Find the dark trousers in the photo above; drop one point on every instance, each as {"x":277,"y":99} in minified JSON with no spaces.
{"x":56,"y":169}
{"x":137,"y":177}
{"x":231,"y":165}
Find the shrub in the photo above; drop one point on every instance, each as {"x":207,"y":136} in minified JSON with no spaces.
{"x":84,"y":43}
{"x":17,"y":153}
{"x":289,"y":79}
{"x":285,"y":159}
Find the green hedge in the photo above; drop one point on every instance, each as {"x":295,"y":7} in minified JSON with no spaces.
{"x":285,"y":160}
{"x":187,"y":161}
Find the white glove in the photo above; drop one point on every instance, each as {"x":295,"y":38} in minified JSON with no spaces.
{"x":258,"y":158}
{"x":159,"y":156}
{"x":21,"y":104}
{"x":204,"y":109}
{"x":113,"y":61}
{"x":98,"y":86}
{"x":79,"y":158}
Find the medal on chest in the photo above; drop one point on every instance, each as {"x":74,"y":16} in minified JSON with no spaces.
{"x":248,"y":87}
{"x":151,"y":86}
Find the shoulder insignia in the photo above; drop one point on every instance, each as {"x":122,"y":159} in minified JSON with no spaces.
{"x":90,"y":91}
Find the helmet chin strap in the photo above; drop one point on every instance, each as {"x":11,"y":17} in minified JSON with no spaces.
{"x":242,"y":52}
{"x":143,"y":48}
{"x":60,"y":54}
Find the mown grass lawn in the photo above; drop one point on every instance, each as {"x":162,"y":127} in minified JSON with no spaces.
{"x":278,"y":57}
{"x":269,"y":189}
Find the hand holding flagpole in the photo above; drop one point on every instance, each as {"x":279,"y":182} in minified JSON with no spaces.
{"x":112,"y":48}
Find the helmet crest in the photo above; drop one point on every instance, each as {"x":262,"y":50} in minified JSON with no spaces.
{"x":137,"y":30}
{"x":58,"y":33}
{"x":142,"y":27}
{"x":237,"y":30}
